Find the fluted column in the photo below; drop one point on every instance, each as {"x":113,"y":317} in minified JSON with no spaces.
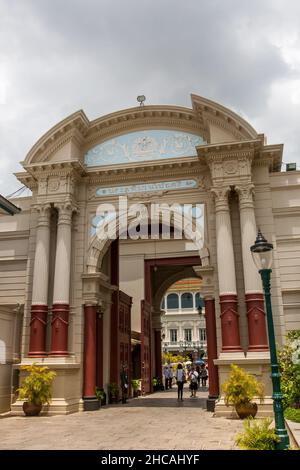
{"x":253,"y":287}
{"x":226,"y":273}
{"x":39,"y":306}
{"x":62,"y":273}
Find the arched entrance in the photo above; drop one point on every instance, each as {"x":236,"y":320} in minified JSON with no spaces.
{"x":158,"y":275}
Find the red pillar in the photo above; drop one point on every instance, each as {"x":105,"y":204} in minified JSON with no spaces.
{"x":100,"y":350}
{"x":158,"y":364}
{"x":230,"y":323}
{"x":90,"y":358}
{"x":114,"y":316}
{"x":38,"y":326}
{"x":59,"y":330}
{"x":256,"y":323}
{"x":211,"y":333}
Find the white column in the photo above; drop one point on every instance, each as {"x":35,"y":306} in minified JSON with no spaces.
{"x":257,"y":333}
{"x":252,"y":278}
{"x":41,"y":260}
{"x":226,"y":273}
{"x":62,"y":275}
{"x":225,"y":255}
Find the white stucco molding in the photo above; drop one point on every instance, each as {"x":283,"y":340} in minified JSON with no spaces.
{"x":214,"y":113}
{"x":84,"y":134}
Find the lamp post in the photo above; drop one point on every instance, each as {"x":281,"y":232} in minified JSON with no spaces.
{"x":262,"y":257}
{"x":185,"y":345}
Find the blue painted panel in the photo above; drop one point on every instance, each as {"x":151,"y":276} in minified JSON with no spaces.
{"x":143,"y":146}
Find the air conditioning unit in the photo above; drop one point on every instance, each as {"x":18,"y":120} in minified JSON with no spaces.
{"x":291,"y":167}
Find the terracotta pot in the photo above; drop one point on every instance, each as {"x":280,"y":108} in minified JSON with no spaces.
{"x":246,"y":409}
{"x":31,"y":409}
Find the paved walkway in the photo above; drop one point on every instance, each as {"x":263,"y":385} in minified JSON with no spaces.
{"x":157,"y":421}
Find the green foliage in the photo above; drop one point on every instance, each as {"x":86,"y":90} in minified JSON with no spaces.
{"x":168,"y":358}
{"x":241,"y":387}
{"x":257,"y":435}
{"x":155,"y":381}
{"x":113,"y":390}
{"x":289,"y":366}
{"x":36,"y":387}
{"x":293,"y":414}
{"x":99,"y":392}
{"x":136,"y":384}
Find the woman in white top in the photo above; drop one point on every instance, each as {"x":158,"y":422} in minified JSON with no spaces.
{"x":180,"y":378}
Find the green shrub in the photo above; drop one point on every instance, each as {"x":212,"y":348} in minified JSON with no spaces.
{"x":113,"y":390}
{"x":241,"y":387}
{"x":257,"y":435}
{"x":100,"y":394}
{"x":289,"y":366}
{"x":36,"y":387}
{"x":135,"y":383}
{"x":293,"y":414}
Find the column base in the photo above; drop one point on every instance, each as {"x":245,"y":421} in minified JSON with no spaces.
{"x":256,"y":322}
{"x":37,"y":354}
{"x":38,"y":325}
{"x":90,"y":404}
{"x":210,"y":404}
{"x":230,"y":323}
{"x":265,"y":409}
{"x":59,"y":330}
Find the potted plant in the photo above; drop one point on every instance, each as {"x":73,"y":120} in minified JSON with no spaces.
{"x":101,"y":396}
{"x":113,"y":392}
{"x":155,"y":383}
{"x":36,"y":388}
{"x":136,"y":384}
{"x":240,"y":390}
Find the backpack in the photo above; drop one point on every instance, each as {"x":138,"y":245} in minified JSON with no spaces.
{"x":194,"y":378}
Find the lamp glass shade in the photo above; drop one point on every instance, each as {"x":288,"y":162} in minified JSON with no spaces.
{"x":262,"y":260}
{"x":262,"y":252}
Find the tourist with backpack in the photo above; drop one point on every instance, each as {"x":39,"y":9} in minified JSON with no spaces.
{"x":194,"y":381}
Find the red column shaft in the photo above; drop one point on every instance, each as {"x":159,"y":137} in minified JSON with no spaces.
{"x":38,"y":327}
{"x":59,"y":330}
{"x":230,"y":323}
{"x":100,"y":351}
{"x":256,"y":323}
{"x":210,"y":319}
{"x":114,"y":316}
{"x":158,"y":365}
{"x":90,"y":350}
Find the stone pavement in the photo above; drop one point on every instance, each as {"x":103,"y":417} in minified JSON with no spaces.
{"x":157,"y":421}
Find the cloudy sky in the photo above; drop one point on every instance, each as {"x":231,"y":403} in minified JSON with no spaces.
{"x":58,"y":56}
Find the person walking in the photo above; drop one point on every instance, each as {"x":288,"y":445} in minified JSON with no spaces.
{"x":194,"y":382}
{"x":204,"y":375}
{"x":124,"y":383}
{"x":180,"y":380}
{"x":170,"y":377}
{"x":166,"y":376}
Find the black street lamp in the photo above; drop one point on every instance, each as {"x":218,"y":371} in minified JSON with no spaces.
{"x":262,"y":257}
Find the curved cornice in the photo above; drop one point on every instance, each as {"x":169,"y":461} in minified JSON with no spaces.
{"x":86,"y":134}
{"x":215,"y":113}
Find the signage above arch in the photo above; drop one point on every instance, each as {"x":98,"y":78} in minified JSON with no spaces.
{"x":140,"y":146}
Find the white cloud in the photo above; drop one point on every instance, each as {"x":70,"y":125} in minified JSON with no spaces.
{"x":60,"y":56}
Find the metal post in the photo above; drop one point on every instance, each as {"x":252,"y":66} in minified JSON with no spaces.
{"x":280,"y":428}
